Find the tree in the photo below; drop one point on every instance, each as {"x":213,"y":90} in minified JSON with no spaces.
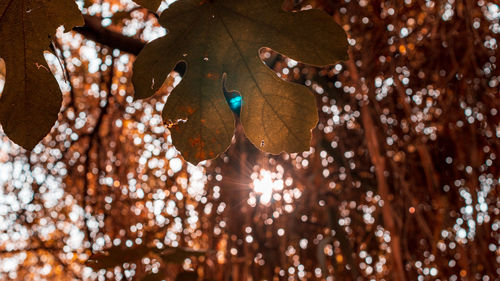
{"x":400,"y":182}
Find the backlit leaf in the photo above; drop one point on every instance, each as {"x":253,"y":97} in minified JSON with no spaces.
{"x":31,"y":98}
{"x":223,"y":37}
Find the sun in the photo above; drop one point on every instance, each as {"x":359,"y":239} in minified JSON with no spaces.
{"x":265,"y":183}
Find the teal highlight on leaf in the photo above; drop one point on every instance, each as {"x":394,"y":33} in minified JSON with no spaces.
{"x":234,"y":100}
{"x":235,"y":103}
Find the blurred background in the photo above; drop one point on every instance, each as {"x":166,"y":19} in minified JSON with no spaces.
{"x":401,"y":181}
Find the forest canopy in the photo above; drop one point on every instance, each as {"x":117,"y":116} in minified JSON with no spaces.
{"x":398,"y":179}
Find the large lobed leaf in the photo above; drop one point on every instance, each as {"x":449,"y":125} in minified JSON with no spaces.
{"x":31,"y":98}
{"x":222,"y":37}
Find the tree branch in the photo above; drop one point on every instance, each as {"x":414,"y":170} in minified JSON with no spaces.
{"x":93,"y":30}
{"x":31,"y":249}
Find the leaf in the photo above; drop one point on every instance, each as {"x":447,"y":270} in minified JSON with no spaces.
{"x":31,"y":98}
{"x":152,"y":5}
{"x":222,"y":37}
{"x":187,"y":276}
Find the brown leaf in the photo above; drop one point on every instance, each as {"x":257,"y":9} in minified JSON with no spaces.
{"x":31,"y":99}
